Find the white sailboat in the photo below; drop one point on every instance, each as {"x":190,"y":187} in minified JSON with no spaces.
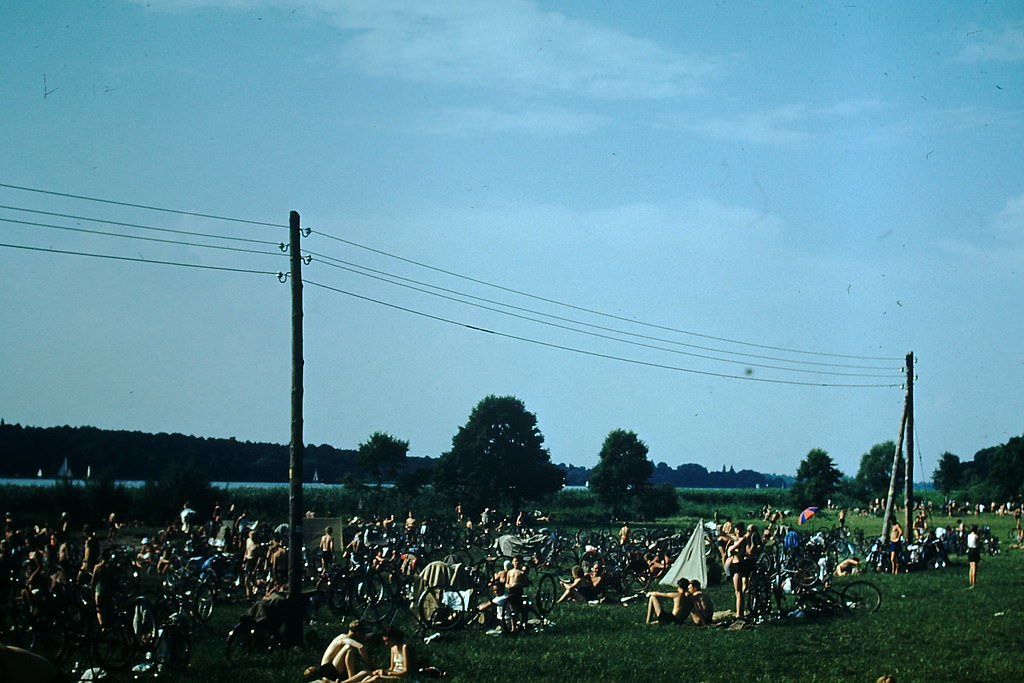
{"x":65,"y":470}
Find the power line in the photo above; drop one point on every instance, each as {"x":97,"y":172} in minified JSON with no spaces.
{"x":141,"y":227}
{"x":139,"y":237}
{"x":593,"y":354}
{"x":605,"y":336}
{"x":332,"y":261}
{"x":463,"y":277}
{"x":142,"y":206}
{"x":141,"y":260}
{"x":601,"y":313}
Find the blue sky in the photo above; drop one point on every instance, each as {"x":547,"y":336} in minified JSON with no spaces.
{"x":697,"y":221}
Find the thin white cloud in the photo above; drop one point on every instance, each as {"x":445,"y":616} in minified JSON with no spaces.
{"x":1008,"y":224}
{"x":1006,"y":45}
{"x":539,"y":121}
{"x":784,"y":125}
{"x":1000,"y":242}
{"x":512,"y":45}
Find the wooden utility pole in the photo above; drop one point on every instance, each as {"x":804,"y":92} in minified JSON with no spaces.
{"x":908,"y":512}
{"x":890,"y":498}
{"x":293,"y":627}
{"x":906,"y":430}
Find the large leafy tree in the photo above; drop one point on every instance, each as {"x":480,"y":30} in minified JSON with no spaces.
{"x":999,"y":471}
{"x":876,"y":468}
{"x":382,"y":456}
{"x":816,"y":479}
{"x":949,"y":474}
{"x":497,"y":457}
{"x":622,"y":471}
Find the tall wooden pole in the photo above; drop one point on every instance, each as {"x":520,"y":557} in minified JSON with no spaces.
{"x":891,"y":496}
{"x":909,"y":451}
{"x":293,"y":627}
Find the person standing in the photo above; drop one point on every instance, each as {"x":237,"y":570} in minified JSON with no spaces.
{"x":327,"y":549}
{"x":973,"y":553}
{"x":895,"y":546}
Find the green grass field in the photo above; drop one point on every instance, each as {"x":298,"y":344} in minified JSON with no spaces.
{"x":930,"y":628}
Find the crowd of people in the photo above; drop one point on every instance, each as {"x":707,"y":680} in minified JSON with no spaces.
{"x":38,"y":562}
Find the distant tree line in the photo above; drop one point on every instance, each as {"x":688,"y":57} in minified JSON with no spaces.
{"x":996,"y":474}
{"x":24,"y":451}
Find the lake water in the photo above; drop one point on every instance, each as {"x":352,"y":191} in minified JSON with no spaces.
{"x":136,"y":483}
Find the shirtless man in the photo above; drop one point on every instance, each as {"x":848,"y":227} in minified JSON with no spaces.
{"x":345,"y":659}
{"x":702,"y":610}
{"x":895,"y":546}
{"x":516,"y":580}
{"x":327,"y":549}
{"x":681,"y":605}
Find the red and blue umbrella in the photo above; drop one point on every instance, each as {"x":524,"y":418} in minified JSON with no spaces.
{"x":807,"y":514}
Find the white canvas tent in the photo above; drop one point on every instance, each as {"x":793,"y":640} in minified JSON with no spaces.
{"x":691,"y":562}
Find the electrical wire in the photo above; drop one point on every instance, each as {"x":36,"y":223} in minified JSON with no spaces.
{"x":384,"y":276}
{"x":585,"y":352}
{"x":141,"y":260}
{"x":141,"y":206}
{"x":608,"y":337}
{"x":600,"y":313}
{"x":140,"y":237}
{"x":339,"y":263}
{"x":139,"y":226}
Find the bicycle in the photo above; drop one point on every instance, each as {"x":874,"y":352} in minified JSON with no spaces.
{"x":858,"y":597}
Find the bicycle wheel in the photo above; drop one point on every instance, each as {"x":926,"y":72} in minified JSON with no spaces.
{"x":479,"y":619}
{"x":240,"y":640}
{"x":806,"y":572}
{"x":17,"y":626}
{"x":113,"y":647}
{"x":143,"y":624}
{"x":862,"y":596}
{"x":546,"y":595}
{"x":173,"y":646}
{"x":759,"y":596}
{"x":563,"y":560}
{"x":635,"y":580}
{"x":372,"y":599}
{"x":337,"y":597}
{"x":440,"y":610}
{"x":202,"y":602}
{"x":47,"y":639}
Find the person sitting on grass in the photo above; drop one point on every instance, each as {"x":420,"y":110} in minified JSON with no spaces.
{"x":681,"y":605}
{"x":702,"y":610}
{"x":594,"y":584}
{"x":269,"y":612}
{"x":572,"y":586}
{"x":401,"y":662}
{"x":657,"y":564}
{"x":345,"y":659}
